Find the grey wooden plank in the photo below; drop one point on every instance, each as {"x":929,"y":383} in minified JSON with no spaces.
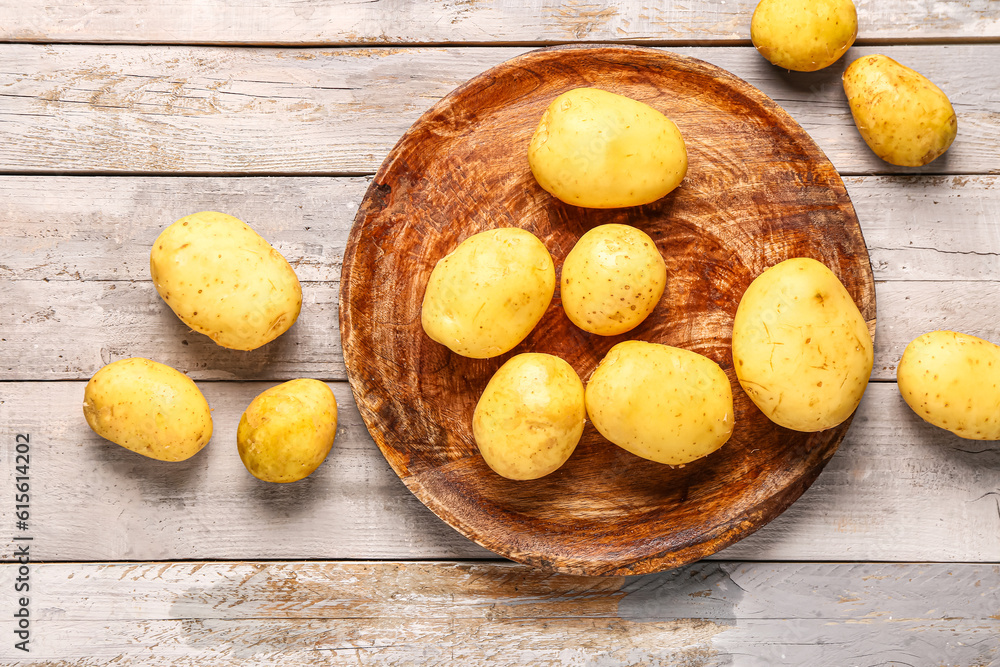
{"x":210,"y":110}
{"x":67,"y":330}
{"x":101,"y":228}
{"x":898,"y":489}
{"x":397,"y":21}
{"x":706,"y":614}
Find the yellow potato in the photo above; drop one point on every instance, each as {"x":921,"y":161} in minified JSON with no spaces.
{"x":903,"y":117}
{"x":801,"y":348}
{"x":612,"y":279}
{"x":952,"y":380}
{"x":225,"y":281}
{"x":597,"y":149}
{"x":149,"y":408}
{"x":287,"y":431}
{"x":530,"y":417}
{"x":661,"y":403}
{"x":486,"y":295}
{"x":803,"y":35}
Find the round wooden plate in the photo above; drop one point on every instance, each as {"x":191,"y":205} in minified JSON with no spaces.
{"x":758,"y":191}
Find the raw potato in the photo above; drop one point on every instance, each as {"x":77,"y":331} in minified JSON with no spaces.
{"x":801,"y":348}
{"x":149,"y":408}
{"x":804,"y":35}
{"x":225,"y":281}
{"x":486,"y":295}
{"x":287,"y":431}
{"x":612,"y":279}
{"x":597,"y":149}
{"x":952,"y":380}
{"x":530,"y":417}
{"x":903,"y":117}
{"x":661,"y":403}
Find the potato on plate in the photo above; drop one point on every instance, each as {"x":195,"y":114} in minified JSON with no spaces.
{"x":803,"y":35}
{"x":486,"y":295}
{"x":952,"y":380}
{"x":597,"y":149}
{"x":659,"y":402}
{"x":612,"y":279}
{"x":801,"y":348}
{"x":287,"y":431}
{"x":225,"y":281}
{"x":149,"y":408}
{"x":904,"y":118}
{"x":530,"y":417}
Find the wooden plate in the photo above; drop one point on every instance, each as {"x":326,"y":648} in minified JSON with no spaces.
{"x":758,"y":191}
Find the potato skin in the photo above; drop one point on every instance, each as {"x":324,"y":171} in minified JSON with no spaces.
{"x":486,"y":295}
{"x":904,"y":118}
{"x":287,"y":431}
{"x":804,"y":35}
{"x":612,"y":279}
{"x":530,"y":417}
{"x":225,"y":281}
{"x":597,"y":149}
{"x":149,"y":408}
{"x":952,"y":380}
{"x":801,"y":348}
{"x":662,"y":403}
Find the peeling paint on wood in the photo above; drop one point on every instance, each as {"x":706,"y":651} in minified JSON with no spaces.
{"x":477,"y":21}
{"x":897,"y":489}
{"x":264,"y":111}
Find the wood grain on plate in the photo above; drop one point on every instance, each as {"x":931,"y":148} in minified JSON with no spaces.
{"x":758,"y":191}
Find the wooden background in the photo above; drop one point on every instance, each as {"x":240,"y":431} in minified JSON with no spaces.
{"x":118,"y":118}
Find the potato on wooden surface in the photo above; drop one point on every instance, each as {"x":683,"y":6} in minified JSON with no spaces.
{"x":612,"y":279}
{"x":904,"y":118}
{"x":803,"y":35}
{"x":662,"y":403}
{"x":598,"y":149}
{"x":149,"y":408}
{"x":801,"y":348}
{"x":287,"y":431}
{"x":952,"y":380}
{"x":486,"y":295}
{"x":530,"y":417}
{"x":225,"y":281}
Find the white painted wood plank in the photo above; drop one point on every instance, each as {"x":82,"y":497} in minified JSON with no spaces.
{"x":79,"y":293}
{"x":420,"y":21}
{"x":313,"y":111}
{"x":897,"y":490}
{"x":67,"y":330}
{"x":499,"y":614}
{"x":69,"y":228}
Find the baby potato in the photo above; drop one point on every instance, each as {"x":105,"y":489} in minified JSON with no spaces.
{"x":952,"y":380}
{"x":801,"y":348}
{"x":225,"y":281}
{"x":486,"y":295}
{"x":530,"y":417}
{"x":612,"y":279}
{"x":149,"y":408}
{"x":904,"y":118}
{"x":287,"y":431}
{"x":597,"y":149}
{"x":803,"y":35}
{"x":659,"y":402}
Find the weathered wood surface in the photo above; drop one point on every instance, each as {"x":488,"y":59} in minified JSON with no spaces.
{"x":210,"y":110}
{"x":63,"y":228}
{"x":418,"y":613}
{"x":419,"y":21}
{"x":933,"y":241}
{"x":897,"y":489}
